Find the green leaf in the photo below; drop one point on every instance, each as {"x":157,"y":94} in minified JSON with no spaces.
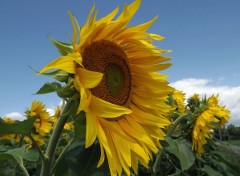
{"x":63,"y":48}
{"x":6,"y":142}
{"x":182,"y":150}
{"x":78,"y":161}
{"x":31,"y":155}
{"x":17,"y":155}
{"x":49,"y":87}
{"x":211,"y":172}
{"x":22,"y":127}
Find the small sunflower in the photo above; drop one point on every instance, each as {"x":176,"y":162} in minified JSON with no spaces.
{"x":179,"y":98}
{"x":67,"y":126}
{"x":38,"y":139}
{"x":116,"y":72}
{"x":42,"y":125}
{"x":195,"y":97}
{"x":204,"y":123}
{"x":14,"y":137}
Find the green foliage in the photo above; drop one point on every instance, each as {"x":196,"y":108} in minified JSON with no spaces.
{"x":59,"y":75}
{"x":49,"y":88}
{"x":63,"y":48}
{"x":182,"y":150}
{"x":22,"y":127}
{"x":13,"y":160}
{"x":80,"y":126}
{"x":79,"y":161}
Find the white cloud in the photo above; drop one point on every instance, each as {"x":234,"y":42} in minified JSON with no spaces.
{"x":15,"y":116}
{"x":228,"y":95}
{"x":51,"y":111}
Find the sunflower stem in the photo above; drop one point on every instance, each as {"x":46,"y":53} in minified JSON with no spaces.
{"x":162,"y":152}
{"x":24,"y":170}
{"x":37,"y":147}
{"x":62,"y":153}
{"x":50,"y":152}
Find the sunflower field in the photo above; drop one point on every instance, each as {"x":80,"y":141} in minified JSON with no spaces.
{"x":119,"y":115}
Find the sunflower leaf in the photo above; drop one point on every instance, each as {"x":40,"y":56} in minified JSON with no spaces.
{"x":182,"y":150}
{"x":210,"y":171}
{"x":49,"y":87}
{"x":63,"y":48}
{"x":79,"y":161}
{"x":22,"y":127}
{"x":16,"y":154}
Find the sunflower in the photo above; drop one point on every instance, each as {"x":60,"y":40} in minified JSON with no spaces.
{"x":42,"y":125}
{"x":195,"y":97}
{"x":38,"y":139}
{"x":116,"y":72}
{"x":204,"y":123}
{"x":14,"y":137}
{"x":67,"y":126}
{"x":179,"y":98}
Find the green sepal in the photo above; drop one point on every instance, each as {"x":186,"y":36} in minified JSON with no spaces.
{"x":182,"y":150}
{"x":67,"y":91}
{"x":63,"y":48}
{"x":22,"y":127}
{"x":59,"y":75}
{"x":49,"y":88}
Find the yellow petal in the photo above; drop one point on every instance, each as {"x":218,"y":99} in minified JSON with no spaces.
{"x":129,"y":11}
{"x":88,"y":79}
{"x":91,"y":132}
{"x":156,"y":37}
{"x":109,"y":17}
{"x":144,"y":26}
{"x":85,"y":96}
{"x":65,"y":63}
{"x":107,"y":110}
{"x":102,"y":157}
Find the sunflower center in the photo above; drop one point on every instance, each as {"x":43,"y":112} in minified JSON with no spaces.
{"x":110,"y":59}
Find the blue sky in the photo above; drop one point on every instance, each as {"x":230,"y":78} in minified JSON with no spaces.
{"x":203,"y":35}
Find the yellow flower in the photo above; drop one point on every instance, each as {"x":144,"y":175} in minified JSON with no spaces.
{"x":67,"y":126}
{"x":115,"y":69}
{"x":223,"y":114}
{"x":42,"y":124}
{"x":10,"y":136}
{"x":179,"y":98}
{"x":203,"y":124}
{"x":38,"y":139}
{"x":195,"y":97}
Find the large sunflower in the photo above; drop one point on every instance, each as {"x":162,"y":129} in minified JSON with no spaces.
{"x":204,"y":123}
{"x":115,"y":70}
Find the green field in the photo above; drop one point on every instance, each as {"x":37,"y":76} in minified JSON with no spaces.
{"x":231,"y":151}
{"x":233,"y":142}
